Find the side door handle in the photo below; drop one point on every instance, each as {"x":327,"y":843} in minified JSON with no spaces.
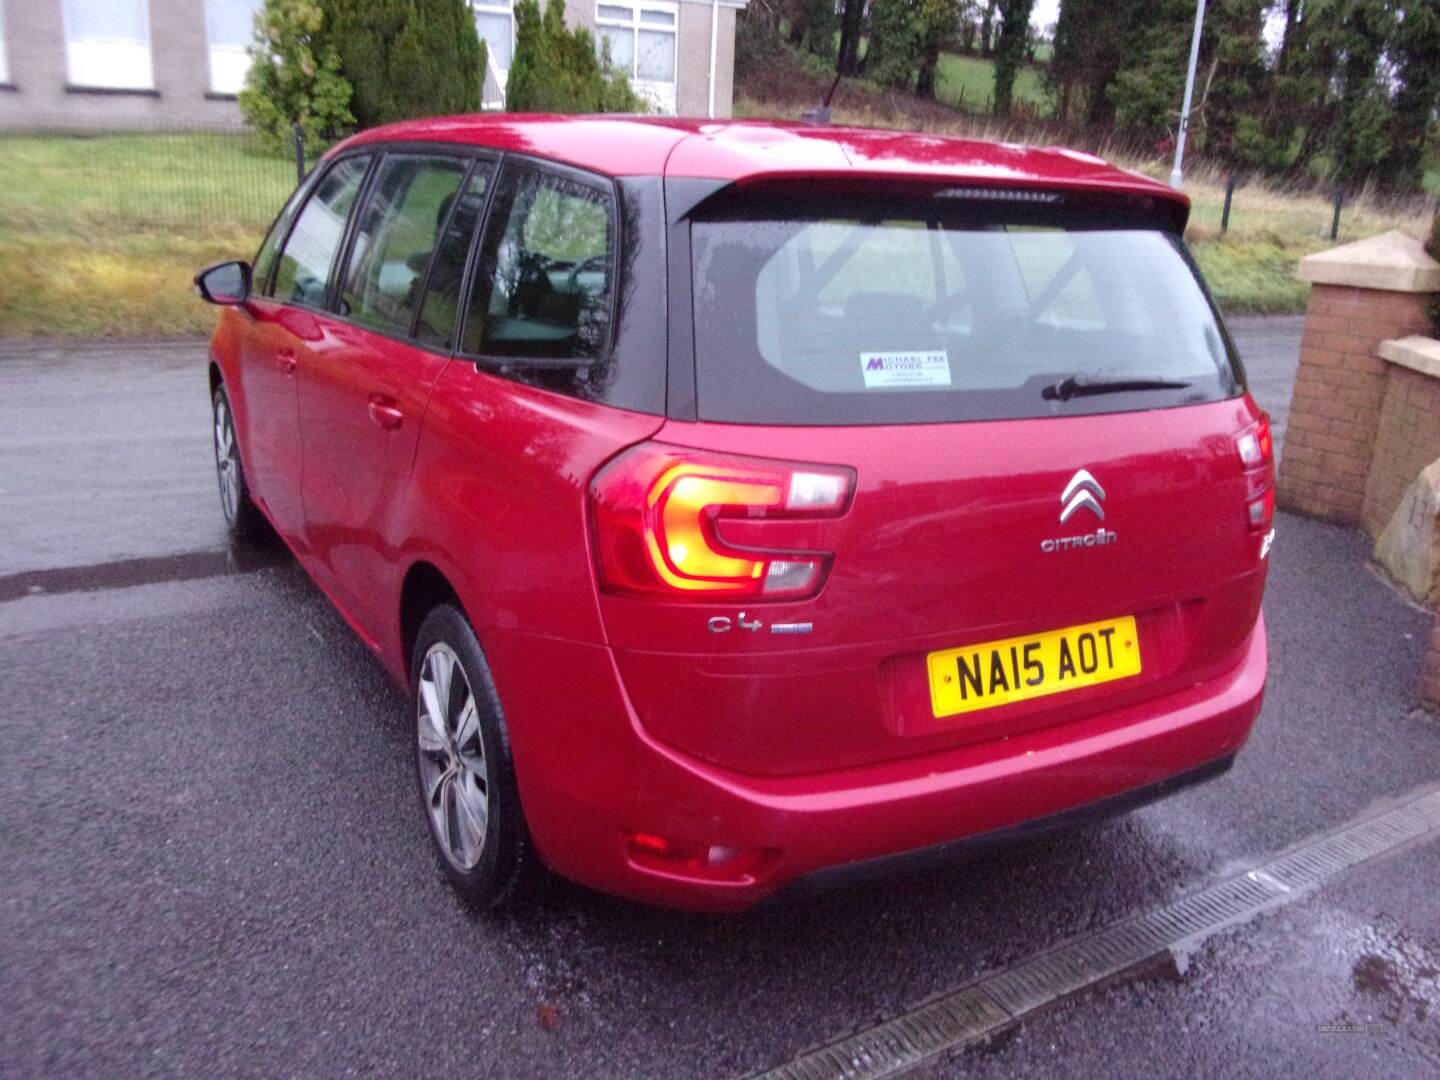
{"x":285,"y":360}
{"x":385,"y":411}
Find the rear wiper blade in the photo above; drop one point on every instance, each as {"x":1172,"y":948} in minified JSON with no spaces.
{"x":1090,"y":385}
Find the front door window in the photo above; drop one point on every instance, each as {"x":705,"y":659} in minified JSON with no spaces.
{"x":303,"y":273}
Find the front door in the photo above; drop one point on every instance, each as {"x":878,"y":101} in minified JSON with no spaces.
{"x":285,"y":334}
{"x":364,"y":392}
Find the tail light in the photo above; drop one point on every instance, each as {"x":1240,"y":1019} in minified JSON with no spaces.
{"x":659,"y":513}
{"x":1257,"y":455}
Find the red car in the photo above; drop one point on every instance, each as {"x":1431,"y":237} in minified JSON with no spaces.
{"x":750,"y":506}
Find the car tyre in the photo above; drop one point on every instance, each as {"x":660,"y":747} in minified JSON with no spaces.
{"x":464,"y":768}
{"x":243,"y":520}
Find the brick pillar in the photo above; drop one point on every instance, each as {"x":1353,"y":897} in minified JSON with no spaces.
{"x":1361,"y":294}
{"x":1430,"y":673}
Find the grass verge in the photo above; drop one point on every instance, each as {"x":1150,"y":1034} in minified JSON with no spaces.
{"x":100,"y":236}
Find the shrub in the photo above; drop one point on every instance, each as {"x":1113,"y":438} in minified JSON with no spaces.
{"x":407,"y":58}
{"x":559,"y":70}
{"x":294,"y":79}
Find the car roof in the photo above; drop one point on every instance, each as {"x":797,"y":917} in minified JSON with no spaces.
{"x":745,"y":151}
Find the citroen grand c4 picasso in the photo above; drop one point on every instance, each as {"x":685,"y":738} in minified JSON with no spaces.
{"x":749,"y":507}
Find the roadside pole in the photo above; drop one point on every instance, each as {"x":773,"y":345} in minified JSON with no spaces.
{"x":299,"y":134}
{"x":1177,"y":174}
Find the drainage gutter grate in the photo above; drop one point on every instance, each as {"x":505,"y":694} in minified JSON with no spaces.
{"x":993,"y":1002}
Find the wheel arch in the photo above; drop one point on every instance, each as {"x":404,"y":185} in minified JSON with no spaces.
{"x":424,"y":588}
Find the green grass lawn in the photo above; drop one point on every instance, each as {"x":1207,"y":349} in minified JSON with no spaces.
{"x":969,"y":82}
{"x":99,"y":236}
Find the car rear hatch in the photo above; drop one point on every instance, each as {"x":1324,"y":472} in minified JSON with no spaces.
{"x":932,"y":428}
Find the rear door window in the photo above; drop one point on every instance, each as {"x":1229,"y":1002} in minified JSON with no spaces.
{"x":547,"y":270}
{"x":303,"y":272}
{"x":396,"y":236}
{"x":440,"y":310}
{"x":933,"y":314}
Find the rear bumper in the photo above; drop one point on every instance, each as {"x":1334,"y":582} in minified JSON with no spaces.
{"x":589,"y":773}
{"x":938,"y":855}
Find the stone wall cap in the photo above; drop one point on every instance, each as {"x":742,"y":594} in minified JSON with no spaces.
{"x":1391,"y":262}
{"x":1417,"y":353}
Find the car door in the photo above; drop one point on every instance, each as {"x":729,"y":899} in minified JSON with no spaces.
{"x":285,"y":328}
{"x":364,"y":389}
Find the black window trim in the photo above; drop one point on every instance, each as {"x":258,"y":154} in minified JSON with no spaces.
{"x":500,"y":365}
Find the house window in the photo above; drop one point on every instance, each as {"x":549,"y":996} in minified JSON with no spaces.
{"x":641,"y":36}
{"x":229,"y":29}
{"x":4,"y":60}
{"x":107,"y":44}
{"x":495,"y":22}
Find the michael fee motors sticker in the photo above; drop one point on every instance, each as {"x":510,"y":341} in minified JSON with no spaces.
{"x":884,"y":369}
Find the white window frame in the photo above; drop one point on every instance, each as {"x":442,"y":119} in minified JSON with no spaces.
{"x":229,"y":62}
{"x":660,"y":94}
{"x":492,"y":90}
{"x":108,"y":63}
{"x":4,"y":56}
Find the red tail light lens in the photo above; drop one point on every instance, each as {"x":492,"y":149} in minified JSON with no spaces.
{"x":1257,"y":453}
{"x":658,"y":512}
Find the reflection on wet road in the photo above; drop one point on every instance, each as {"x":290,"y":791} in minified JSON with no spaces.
{"x":125,"y":573}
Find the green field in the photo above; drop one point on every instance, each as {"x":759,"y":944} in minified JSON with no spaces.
{"x":969,"y":82}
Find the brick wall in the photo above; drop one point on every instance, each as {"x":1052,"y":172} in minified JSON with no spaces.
{"x":1430,"y":675}
{"x":1339,"y":390}
{"x":1406,"y":442}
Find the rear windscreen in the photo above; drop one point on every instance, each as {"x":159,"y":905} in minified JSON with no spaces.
{"x":937,"y":313}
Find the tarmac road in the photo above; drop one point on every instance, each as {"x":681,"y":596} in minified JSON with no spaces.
{"x":213,"y":861}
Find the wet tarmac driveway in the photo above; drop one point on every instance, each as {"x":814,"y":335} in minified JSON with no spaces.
{"x":213,"y":864}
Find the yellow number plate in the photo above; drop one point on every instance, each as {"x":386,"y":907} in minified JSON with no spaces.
{"x":1017,"y":669}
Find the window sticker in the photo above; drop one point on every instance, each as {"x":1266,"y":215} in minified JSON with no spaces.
{"x":885,"y":369}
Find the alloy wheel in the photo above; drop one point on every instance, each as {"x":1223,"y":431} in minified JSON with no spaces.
{"x":227,"y":459}
{"x":454,"y":776}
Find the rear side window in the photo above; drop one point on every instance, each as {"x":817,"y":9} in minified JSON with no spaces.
{"x":937,"y":314}
{"x":396,"y":236}
{"x":304,"y":268}
{"x":546,"y":272}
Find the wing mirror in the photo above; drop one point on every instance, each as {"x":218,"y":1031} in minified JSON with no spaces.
{"x":224,"y":283}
